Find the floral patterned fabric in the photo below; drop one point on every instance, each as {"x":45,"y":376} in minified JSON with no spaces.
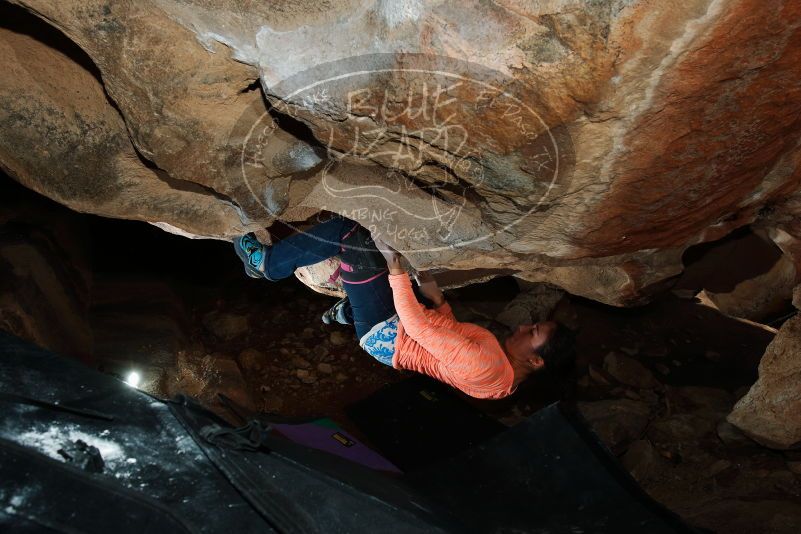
{"x":379,"y":342}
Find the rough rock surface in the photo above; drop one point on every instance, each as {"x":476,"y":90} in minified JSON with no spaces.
{"x":745,"y":275}
{"x":761,"y":298}
{"x":204,"y":377}
{"x":640,"y":459}
{"x":617,"y":422}
{"x":629,"y":371}
{"x":63,"y":136}
{"x":226,"y":326}
{"x":649,"y":126}
{"x":45,"y":277}
{"x":769,"y":412}
{"x":530,"y":306}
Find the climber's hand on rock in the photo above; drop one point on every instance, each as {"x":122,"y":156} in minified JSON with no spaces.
{"x":429,"y":288}
{"x":388,"y":252}
{"x":392,"y":256}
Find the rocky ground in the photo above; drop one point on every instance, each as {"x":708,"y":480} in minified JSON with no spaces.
{"x":655,"y":383}
{"x":659,"y":384}
{"x":273,"y":357}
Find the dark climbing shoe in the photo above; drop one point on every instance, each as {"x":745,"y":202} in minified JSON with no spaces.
{"x":340,"y":313}
{"x":252,"y":253}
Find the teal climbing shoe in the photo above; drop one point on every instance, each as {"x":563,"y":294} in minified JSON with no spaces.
{"x":252,"y":253}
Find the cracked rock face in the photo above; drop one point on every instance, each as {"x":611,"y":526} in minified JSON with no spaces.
{"x":583,"y":144}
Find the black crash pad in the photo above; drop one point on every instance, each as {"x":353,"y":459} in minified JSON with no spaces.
{"x":547,"y":475}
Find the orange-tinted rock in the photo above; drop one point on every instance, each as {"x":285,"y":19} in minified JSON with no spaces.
{"x":647,"y":127}
{"x":711,"y":124}
{"x":63,"y":137}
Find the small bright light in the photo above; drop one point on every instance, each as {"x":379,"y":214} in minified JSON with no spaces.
{"x":133,"y":379}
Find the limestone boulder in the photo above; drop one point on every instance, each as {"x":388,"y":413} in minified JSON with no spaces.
{"x":532,"y":305}
{"x":760,"y":298}
{"x":770,"y":413}
{"x":747,"y":275}
{"x":581,"y":144}
{"x":63,"y":137}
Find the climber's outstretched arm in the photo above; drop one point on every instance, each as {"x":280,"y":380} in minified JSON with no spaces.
{"x":428,"y":286}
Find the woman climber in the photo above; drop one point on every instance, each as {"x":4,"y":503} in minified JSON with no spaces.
{"x":394,"y":328}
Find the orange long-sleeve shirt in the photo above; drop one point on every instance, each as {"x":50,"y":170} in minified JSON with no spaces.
{"x":434,"y":343}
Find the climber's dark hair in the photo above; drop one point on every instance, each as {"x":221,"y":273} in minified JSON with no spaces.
{"x":559,"y":352}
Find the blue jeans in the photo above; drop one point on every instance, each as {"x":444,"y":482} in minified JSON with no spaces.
{"x":371,"y":301}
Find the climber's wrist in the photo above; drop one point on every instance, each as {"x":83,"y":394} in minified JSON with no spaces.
{"x":395,"y":265}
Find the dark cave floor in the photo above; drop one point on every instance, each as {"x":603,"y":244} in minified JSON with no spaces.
{"x":663,"y":414}
{"x":655,"y":382}
{"x":664,"y":418}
